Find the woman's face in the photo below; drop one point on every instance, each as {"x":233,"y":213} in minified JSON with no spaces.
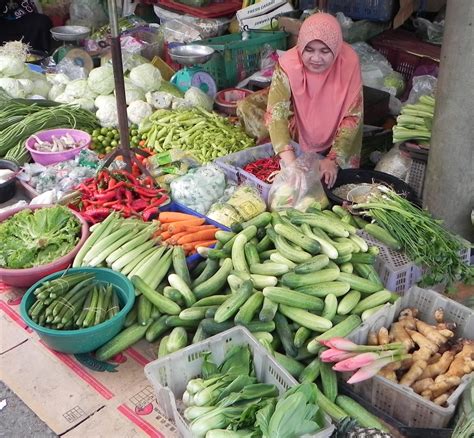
{"x":317,"y":57}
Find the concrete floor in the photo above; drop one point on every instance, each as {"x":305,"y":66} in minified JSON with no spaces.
{"x":17,"y":420}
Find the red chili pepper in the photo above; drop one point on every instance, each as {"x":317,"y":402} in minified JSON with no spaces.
{"x":101,"y":212}
{"x":158,"y":201}
{"x":139,"y":204}
{"x":108,"y":196}
{"x":116,"y":186}
{"x":149,"y":193}
{"x":129,"y":196}
{"x":149,"y":213}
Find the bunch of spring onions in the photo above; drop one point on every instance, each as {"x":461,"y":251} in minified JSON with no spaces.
{"x":21,"y":118}
{"x":422,"y":237}
{"x":228,"y":401}
{"x":365,"y":360}
{"x":414,"y":121}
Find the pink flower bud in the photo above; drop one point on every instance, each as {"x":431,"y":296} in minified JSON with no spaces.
{"x":335,"y":355}
{"x":341,"y":344}
{"x":355,"y":362}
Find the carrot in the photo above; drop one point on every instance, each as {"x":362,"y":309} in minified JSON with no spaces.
{"x":197,"y":235}
{"x":175,"y":237}
{"x":194,"y":228}
{"x":173,"y":216}
{"x":188,"y":247}
{"x":166,"y":235}
{"x":177,"y":227}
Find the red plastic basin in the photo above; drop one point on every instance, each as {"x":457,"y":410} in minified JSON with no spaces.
{"x":29,"y":276}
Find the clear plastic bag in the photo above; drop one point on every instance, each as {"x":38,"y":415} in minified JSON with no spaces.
{"x":395,"y":162}
{"x":422,"y":86}
{"x":429,"y":31}
{"x":88,"y":13}
{"x":251,"y":112}
{"x":298,"y":185}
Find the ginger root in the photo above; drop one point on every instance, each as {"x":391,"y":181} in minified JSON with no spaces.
{"x":439,"y":315}
{"x":427,"y":348}
{"x":407,"y":318}
{"x":430,"y":332}
{"x":426,"y":394}
{"x":443,"y":384}
{"x":439,"y":367}
{"x":463,"y":362}
{"x":388,"y":374}
{"x":442,"y":399}
{"x":372,"y":338}
{"x":433,"y":359}
{"x":399,"y":334}
{"x":415,"y":371}
{"x":383,"y":337}
{"x":422,"y":385}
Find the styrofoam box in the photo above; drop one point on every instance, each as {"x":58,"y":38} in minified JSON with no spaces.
{"x":400,"y":401}
{"x":170,"y":374}
{"x":396,"y":271}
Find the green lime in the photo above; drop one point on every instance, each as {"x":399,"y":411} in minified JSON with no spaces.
{"x":117,"y":136}
{"x":115,"y":131}
{"x":135,"y":139}
{"x":114,"y":143}
{"x":100,"y":137}
{"x":95,"y":132}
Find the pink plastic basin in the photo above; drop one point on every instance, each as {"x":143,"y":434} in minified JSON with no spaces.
{"x":46,"y":158}
{"x":29,"y":276}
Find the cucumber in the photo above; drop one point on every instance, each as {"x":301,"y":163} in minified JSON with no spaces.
{"x":321,"y":290}
{"x":259,"y":221}
{"x":265,"y":255}
{"x":180,"y":284}
{"x":329,"y":381}
{"x":361,"y":243}
{"x":156,"y":329}
{"x":194,"y":313}
{"x":212,"y":327}
{"x":210,"y":269}
{"x":238,"y":254}
{"x":164,"y":304}
{"x":305,"y":319}
{"x":298,"y":238}
{"x":348,"y":302}
{"x":179,"y":264}
{"x":285,"y":334}
{"x":347,"y":267}
{"x":215,"y":283}
{"x":315,"y":264}
{"x":217,"y":254}
{"x":363,"y":257}
{"x":178,"y":339}
{"x":310,"y":372}
{"x":262,"y":281}
{"x":330,"y":408}
{"x":330,"y":307}
{"x":249,"y":232}
{"x":327,"y":247}
{"x":278,"y":258}
{"x":384,"y":236}
{"x":356,"y":411}
{"x":291,"y":365}
{"x":199,"y":335}
{"x":264,"y":244}
{"x":366,"y":314}
{"x":294,"y":280}
{"x":270,"y":269}
{"x":224,"y":236}
{"x":175,"y":321}
{"x":163,"y":347}
{"x":213,"y":300}
{"x":301,"y":336}
{"x":259,"y":326}
{"x":331,"y":226}
{"x":230,"y":307}
{"x":339,"y":330}
{"x":292,"y":298}
{"x":126,"y":338}
{"x":130,"y":319}
{"x":174,"y":295}
{"x":144,"y":310}
{"x":358,"y":283}
{"x":374,"y":300}
{"x":249,"y":309}
{"x":269,"y":308}
{"x":288,"y":251}
{"x":251,"y":254}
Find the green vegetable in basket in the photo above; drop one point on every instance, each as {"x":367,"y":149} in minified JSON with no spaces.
{"x":36,"y":237}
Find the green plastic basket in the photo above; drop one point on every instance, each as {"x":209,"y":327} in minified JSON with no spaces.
{"x":237,"y":59}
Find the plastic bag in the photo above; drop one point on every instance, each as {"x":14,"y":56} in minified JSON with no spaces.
{"x":251,"y":112}
{"x":422,"y":86}
{"x":361,"y":30}
{"x":90,"y":13}
{"x":395,"y":162}
{"x":71,"y":69}
{"x":429,"y":31}
{"x":298,"y":185}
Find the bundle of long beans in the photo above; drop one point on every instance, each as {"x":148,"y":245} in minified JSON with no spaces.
{"x":20,"y":118}
{"x":422,"y":237}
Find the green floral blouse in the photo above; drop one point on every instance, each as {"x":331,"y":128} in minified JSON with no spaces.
{"x":281,"y":124}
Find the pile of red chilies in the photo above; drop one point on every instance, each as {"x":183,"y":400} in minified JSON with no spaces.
{"x":264,"y":169}
{"x":119,"y":190}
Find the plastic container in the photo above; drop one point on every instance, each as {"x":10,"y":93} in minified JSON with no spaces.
{"x":212,"y":10}
{"x":374,"y":10}
{"x":236,"y":58}
{"x":27,"y":277}
{"x":8,"y":188}
{"x":401,"y":402}
{"x":170,"y":375}
{"x":226,"y":100}
{"x":46,"y":158}
{"x":91,"y":338}
{"x":357,"y":176}
{"x":416,"y":177}
{"x":232,"y":165}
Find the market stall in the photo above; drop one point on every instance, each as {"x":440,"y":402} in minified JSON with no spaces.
{"x":197,"y":287}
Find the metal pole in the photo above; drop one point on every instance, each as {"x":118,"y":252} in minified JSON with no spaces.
{"x":449,"y":184}
{"x":117,"y":65}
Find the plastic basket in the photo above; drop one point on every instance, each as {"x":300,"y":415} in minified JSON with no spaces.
{"x":416,"y":177}
{"x":401,"y":402}
{"x":169,"y":375}
{"x":214,"y":9}
{"x":374,"y":10}
{"x":236,"y":58}
{"x":405,"y":52}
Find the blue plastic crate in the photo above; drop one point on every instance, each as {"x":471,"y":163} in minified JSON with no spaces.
{"x":374,"y":10}
{"x":180,"y":208}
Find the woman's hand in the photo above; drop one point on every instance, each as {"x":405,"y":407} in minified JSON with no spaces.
{"x":328,"y":169}
{"x":288,"y":156}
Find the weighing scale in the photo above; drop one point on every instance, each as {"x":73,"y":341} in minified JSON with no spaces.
{"x":70,"y":36}
{"x":193,"y":75}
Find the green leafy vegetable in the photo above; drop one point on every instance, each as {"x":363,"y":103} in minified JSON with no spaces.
{"x":37,"y":237}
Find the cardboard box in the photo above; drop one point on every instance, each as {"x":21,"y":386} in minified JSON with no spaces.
{"x":292,"y":27}
{"x":264,"y":21}
{"x":261,"y":8}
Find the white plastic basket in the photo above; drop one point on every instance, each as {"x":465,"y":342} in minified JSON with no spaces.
{"x":416,"y":176}
{"x":170,"y":374}
{"x":396,"y":271}
{"x":399,"y":401}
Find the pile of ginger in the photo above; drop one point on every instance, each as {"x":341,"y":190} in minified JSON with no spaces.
{"x":438,"y":361}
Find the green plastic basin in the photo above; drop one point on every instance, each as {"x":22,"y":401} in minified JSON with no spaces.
{"x":91,"y":338}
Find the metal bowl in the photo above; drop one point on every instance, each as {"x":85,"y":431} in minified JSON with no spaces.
{"x":70,"y":33}
{"x":191,"y":54}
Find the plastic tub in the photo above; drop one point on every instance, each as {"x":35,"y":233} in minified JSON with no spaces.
{"x":91,"y":338}
{"x":27,"y":277}
{"x":226,"y":100}
{"x":8,"y":188}
{"x":170,"y":374}
{"x":358,"y":176}
{"x":46,"y":158}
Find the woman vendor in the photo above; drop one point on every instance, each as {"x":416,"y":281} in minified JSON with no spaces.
{"x":315,"y":98}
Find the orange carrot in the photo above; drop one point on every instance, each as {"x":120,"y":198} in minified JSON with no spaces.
{"x":173,"y":216}
{"x":193,"y":245}
{"x":166,"y":235}
{"x":175,"y":237}
{"x":197,"y":235}
{"x":194,"y":228}
{"x":177,"y":227}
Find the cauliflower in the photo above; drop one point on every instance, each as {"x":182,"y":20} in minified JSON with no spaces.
{"x":138,"y":110}
{"x":159,"y":99}
{"x":101,"y":80}
{"x":178,"y":103}
{"x":79,"y":88}
{"x":108,"y":116}
{"x":84,"y":103}
{"x":11,"y":65}
{"x":146,"y":76}
{"x":58,"y":79}
{"x":132,"y":92}
{"x":12,"y":87}
{"x":64,"y":98}
{"x":55,"y":91}
{"x":196,"y":97}
{"x":41,"y":87}
{"x":27,"y":85}
{"x":105,"y":101}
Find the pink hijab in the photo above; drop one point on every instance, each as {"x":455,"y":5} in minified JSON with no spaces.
{"x":321,"y":100}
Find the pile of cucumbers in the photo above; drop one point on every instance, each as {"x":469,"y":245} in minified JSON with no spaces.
{"x":74,"y":301}
{"x":291,"y":278}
